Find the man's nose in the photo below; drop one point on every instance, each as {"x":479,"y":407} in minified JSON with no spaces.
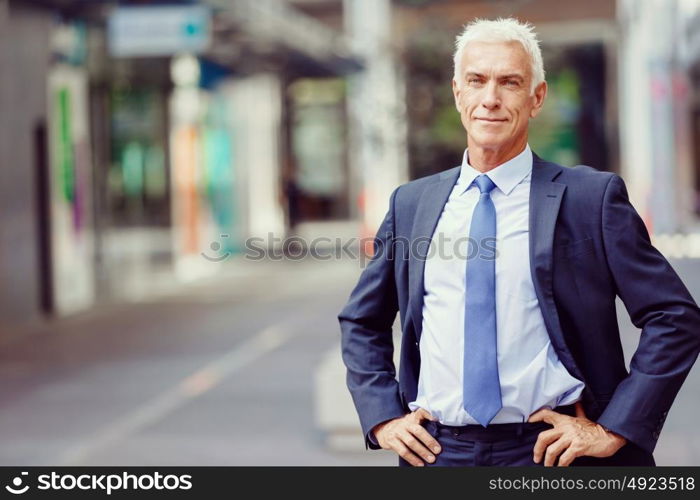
{"x":491,"y":98}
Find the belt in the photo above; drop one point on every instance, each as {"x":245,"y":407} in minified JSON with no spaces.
{"x":495,"y":432}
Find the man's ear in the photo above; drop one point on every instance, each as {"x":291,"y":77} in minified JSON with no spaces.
{"x":456,"y":92}
{"x":538,"y":97}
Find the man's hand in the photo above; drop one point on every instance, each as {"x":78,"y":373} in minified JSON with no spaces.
{"x":408,"y":438}
{"x":574,"y":436}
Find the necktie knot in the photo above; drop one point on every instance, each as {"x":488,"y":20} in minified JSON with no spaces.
{"x":485,"y":184}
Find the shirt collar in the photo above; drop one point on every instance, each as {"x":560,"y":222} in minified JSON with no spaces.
{"x":505,"y":176}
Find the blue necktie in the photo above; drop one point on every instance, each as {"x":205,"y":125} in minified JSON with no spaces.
{"x":482,"y":388}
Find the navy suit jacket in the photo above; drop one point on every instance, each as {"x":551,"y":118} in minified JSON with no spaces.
{"x":587,"y":246}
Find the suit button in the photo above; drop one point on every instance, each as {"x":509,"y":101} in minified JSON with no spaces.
{"x":656,"y":434}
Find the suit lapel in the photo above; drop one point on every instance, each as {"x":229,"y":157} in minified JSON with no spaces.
{"x":545,"y":200}
{"x":428,"y":212}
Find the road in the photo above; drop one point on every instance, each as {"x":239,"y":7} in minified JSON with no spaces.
{"x":220,"y":373}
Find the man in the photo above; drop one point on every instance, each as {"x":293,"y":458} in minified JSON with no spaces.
{"x":510,"y":351}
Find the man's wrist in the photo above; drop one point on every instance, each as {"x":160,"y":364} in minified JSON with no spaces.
{"x":618,"y":437}
{"x":373,"y":431}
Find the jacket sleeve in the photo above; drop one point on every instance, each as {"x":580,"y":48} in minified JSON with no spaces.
{"x":366,"y":335}
{"x":660,"y":305}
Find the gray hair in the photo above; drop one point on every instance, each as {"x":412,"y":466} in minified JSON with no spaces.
{"x":502,"y":30}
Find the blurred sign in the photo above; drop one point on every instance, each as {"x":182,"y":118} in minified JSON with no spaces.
{"x":69,"y":42}
{"x":158,"y":30}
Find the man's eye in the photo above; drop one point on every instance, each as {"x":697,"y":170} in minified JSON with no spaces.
{"x":512,"y":83}
{"x":473,"y":80}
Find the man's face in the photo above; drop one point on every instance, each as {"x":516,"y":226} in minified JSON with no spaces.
{"x":492,"y":95}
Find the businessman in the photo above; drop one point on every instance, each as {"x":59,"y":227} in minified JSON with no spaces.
{"x":505,"y":272}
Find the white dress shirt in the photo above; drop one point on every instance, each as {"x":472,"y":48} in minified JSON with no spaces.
{"x":530,"y":372}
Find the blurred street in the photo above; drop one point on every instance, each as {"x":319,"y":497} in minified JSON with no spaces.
{"x":221,"y":373}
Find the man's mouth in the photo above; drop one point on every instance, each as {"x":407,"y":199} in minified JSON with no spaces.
{"x":492,"y":119}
